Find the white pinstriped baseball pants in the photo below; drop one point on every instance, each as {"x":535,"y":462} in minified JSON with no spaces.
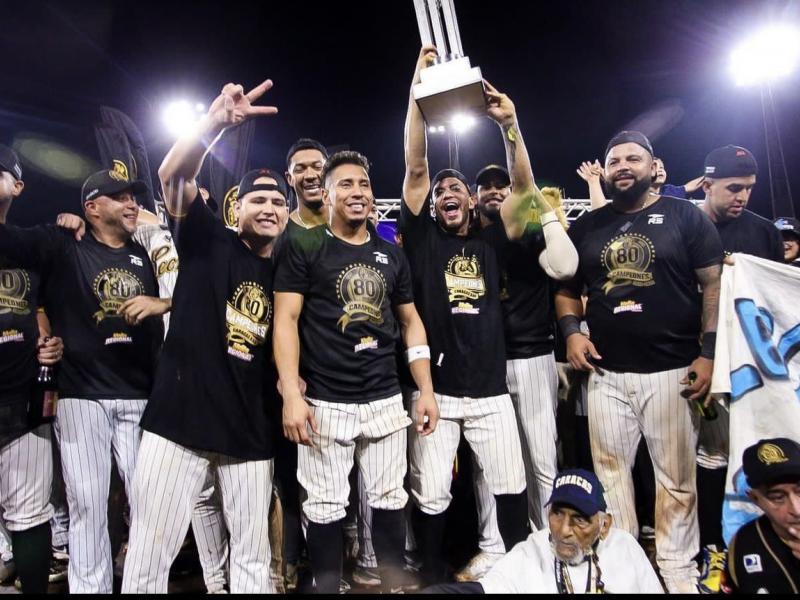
{"x":533,"y":385}
{"x":88,"y":431}
{"x":622,"y":408}
{"x":489,"y":426}
{"x":169,"y":479}
{"x":26,"y":475}
{"x":374,"y":435}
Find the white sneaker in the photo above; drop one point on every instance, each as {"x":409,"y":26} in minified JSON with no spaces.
{"x":477,"y":567}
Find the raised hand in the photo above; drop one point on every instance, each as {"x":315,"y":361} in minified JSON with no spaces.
{"x":588,"y":171}
{"x":72,"y":223}
{"x":234,"y":106}
{"x":427,"y":56}
{"x":499,"y":107}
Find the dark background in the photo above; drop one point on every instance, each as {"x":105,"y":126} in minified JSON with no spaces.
{"x":578,"y":71}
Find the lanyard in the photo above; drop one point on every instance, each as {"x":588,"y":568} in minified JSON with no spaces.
{"x":564,"y":583}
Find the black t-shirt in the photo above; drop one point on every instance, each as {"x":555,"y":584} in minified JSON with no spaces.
{"x":751,"y":234}
{"x":19,"y":331}
{"x":644,"y":312}
{"x":85,"y":284}
{"x":457,"y":291}
{"x":524,"y":291}
{"x":759,"y":562}
{"x":215,"y":384}
{"x":348,"y":332}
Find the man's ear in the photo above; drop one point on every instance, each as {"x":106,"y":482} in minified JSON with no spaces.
{"x":606,"y":525}
{"x":19,"y":185}
{"x":706,"y":185}
{"x":326,"y":197}
{"x":289,"y":178}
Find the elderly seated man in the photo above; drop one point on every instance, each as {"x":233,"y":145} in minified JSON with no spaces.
{"x":580,"y":552}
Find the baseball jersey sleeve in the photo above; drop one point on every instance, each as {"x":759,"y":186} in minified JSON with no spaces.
{"x":33,"y":247}
{"x":403,"y":292}
{"x":702,"y":239}
{"x":292,"y":272}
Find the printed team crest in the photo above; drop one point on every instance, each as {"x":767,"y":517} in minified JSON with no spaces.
{"x":229,"y":215}
{"x":119,"y":171}
{"x":247,"y":318}
{"x":14,"y":287}
{"x":627,"y":259}
{"x":112,"y":288}
{"x":361,"y":289}
{"x":770,"y":454}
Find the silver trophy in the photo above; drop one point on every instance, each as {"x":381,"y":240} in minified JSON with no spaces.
{"x":451,"y":88}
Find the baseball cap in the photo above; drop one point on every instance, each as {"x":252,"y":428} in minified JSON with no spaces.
{"x":108,"y":183}
{"x":579,"y":489}
{"x":788,"y":225}
{"x":730,"y":161}
{"x":444,"y":174}
{"x":248,"y":183}
{"x":628,"y":137}
{"x":9,"y":161}
{"x":492,"y":172}
{"x":770,"y":460}
{"x":305,"y":144}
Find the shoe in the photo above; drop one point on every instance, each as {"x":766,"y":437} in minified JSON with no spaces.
{"x":58,"y":570}
{"x":18,"y":583}
{"x":61,"y":552}
{"x":714,"y":562}
{"x":477,"y":567}
{"x":366,"y":576}
{"x":7,"y":570}
{"x":413,"y":563}
{"x":344,"y":587}
{"x":290,"y":577}
{"x":647,"y":533}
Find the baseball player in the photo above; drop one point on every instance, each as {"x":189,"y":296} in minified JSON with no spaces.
{"x":578,"y":552}
{"x":304,"y":162}
{"x":208,"y":524}
{"x":457,"y":284}
{"x":641,"y":259}
{"x":26,"y":460}
{"x":107,"y":368}
{"x":764,"y":555}
{"x":339,"y":293}
{"x":210,"y":412}
{"x":730,"y":176}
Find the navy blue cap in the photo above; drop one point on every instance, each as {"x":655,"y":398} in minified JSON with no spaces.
{"x":9,"y":161}
{"x":630,"y":137}
{"x":788,"y":225}
{"x":771,"y":460}
{"x":579,"y":489}
{"x":496,"y":172}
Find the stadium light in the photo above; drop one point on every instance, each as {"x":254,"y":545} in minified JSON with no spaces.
{"x":768,"y":55}
{"x":463,"y":123}
{"x":181,"y":117}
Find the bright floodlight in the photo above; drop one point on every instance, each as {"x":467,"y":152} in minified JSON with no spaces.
{"x":770,"y":54}
{"x":462,"y":123}
{"x":181,"y":117}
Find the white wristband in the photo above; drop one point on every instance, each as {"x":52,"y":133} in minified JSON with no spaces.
{"x":417,"y":352}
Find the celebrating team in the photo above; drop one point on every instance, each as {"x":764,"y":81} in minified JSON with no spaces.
{"x":380,"y":356}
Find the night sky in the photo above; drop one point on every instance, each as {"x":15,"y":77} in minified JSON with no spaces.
{"x":578,"y":71}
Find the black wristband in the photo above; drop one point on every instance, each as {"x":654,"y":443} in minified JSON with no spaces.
{"x":569,"y":324}
{"x":709,"y":344}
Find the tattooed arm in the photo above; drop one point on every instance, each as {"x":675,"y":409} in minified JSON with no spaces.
{"x":703,"y":367}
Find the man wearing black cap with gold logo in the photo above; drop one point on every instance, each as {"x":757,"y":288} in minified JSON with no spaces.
{"x":211,"y":412}
{"x":642,"y":258}
{"x":789,"y":228}
{"x":108,"y":364}
{"x":764,"y":555}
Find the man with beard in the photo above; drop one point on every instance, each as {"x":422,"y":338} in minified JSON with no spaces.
{"x":526,"y":266}
{"x":457,"y":286}
{"x":642,"y":258}
{"x":212,"y":410}
{"x":579,"y":552}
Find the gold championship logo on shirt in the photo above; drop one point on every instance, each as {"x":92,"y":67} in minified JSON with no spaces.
{"x":14,"y":286}
{"x":464,"y":279}
{"x":112,"y":288}
{"x":361,"y":289}
{"x":119,"y":171}
{"x":770,"y":454}
{"x":247,"y":318}
{"x":229,"y":215}
{"x":627,"y":259}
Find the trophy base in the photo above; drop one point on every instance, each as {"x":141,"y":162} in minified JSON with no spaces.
{"x":450,"y":89}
